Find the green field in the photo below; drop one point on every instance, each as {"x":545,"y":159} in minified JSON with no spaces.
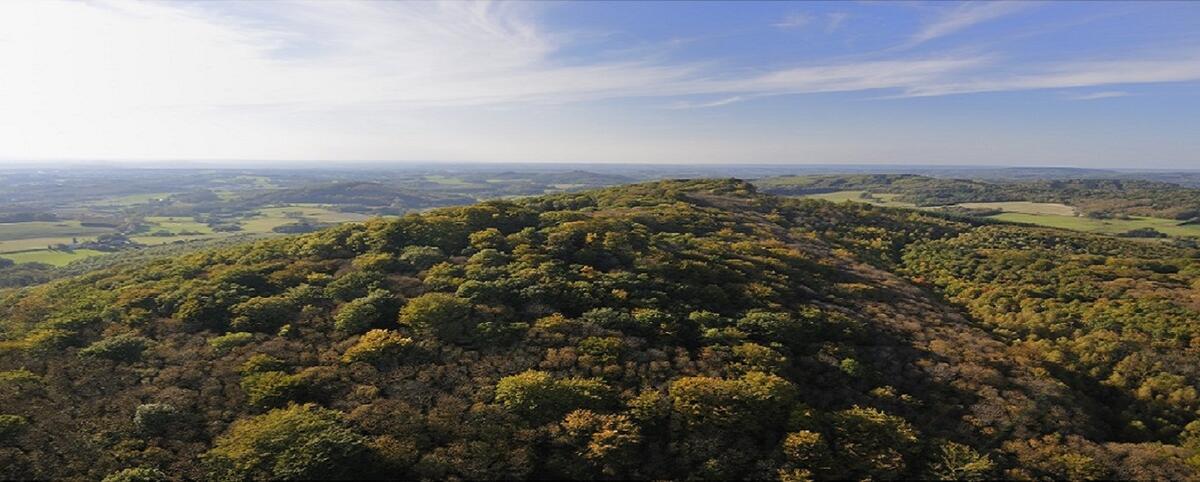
{"x":157,"y":240}
{"x":56,"y":258}
{"x":47,"y":229}
{"x":451,"y":181}
{"x":888,"y":200}
{"x":1042,"y":214}
{"x":1104,"y":226}
{"x":317,"y":212}
{"x":1024,"y":207}
{"x":27,"y":242}
{"x":31,"y":244}
{"x":177,"y":224}
{"x":128,"y":200}
{"x":256,"y":182}
{"x":269,"y":218}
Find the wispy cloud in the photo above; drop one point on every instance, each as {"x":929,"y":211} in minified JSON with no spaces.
{"x":1108,"y":94}
{"x":702,"y":105}
{"x":962,"y":16}
{"x":329,"y":56}
{"x":834,"y":21}
{"x":279,"y":77}
{"x":333,"y":55}
{"x":1185,"y":68}
{"x":793,"y":20}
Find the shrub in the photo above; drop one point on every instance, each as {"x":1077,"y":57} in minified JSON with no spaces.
{"x":376,"y":346}
{"x":222,"y":344}
{"x":1143,"y":233}
{"x":123,"y":347}
{"x":302,"y":442}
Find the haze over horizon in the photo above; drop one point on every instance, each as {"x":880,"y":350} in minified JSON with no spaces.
{"x":1101,"y":85}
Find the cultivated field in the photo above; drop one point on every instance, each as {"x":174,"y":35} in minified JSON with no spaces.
{"x":1025,"y":207}
{"x":29,"y":242}
{"x":46,"y":229}
{"x":1104,"y":226}
{"x":1042,"y":214}
{"x":888,"y":200}
{"x":55,"y":258}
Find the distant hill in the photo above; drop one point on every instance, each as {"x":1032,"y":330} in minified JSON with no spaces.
{"x":668,"y":330}
{"x":372,"y":194}
{"x":1093,"y":197}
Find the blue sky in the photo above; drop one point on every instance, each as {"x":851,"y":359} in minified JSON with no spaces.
{"x":1101,"y":84}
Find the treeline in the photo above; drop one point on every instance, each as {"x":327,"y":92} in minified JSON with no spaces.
{"x":684,"y":329}
{"x":1092,"y":197}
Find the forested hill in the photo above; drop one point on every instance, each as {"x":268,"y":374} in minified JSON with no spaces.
{"x":1093,"y":197}
{"x":681,"y":329}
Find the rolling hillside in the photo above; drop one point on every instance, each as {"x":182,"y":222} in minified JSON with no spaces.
{"x":669,"y":330}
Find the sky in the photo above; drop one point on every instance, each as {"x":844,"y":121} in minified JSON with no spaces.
{"x":1099,"y":84}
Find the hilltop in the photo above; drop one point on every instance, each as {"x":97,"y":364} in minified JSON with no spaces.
{"x":676,"y":329}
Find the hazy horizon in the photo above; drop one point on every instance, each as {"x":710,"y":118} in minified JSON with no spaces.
{"x":1018,"y":84}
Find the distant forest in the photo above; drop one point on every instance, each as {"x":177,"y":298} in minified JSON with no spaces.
{"x":1094,"y":197}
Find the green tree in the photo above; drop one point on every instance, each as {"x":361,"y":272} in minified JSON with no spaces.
{"x":137,"y":474}
{"x":872,"y":443}
{"x":124,"y":347}
{"x":440,"y":315}
{"x":539,"y":397}
{"x":754,"y":401}
{"x":262,"y":362}
{"x":300,"y":442}
{"x":224,"y":343}
{"x":377,"y":346}
{"x":490,"y":238}
{"x":607,"y":444}
{"x":263,"y":314}
{"x":11,"y":426}
{"x":273,"y":389}
{"x":154,"y":418}
{"x":955,"y":461}
{"x":421,"y":258}
{"x":360,"y":314}
{"x":805,"y":452}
